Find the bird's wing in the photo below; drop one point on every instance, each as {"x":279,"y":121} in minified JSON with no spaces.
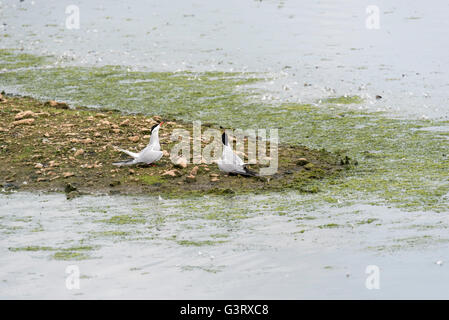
{"x":238,"y":161}
{"x":149,"y":156}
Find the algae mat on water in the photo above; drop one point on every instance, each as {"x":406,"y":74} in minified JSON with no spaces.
{"x":401,"y":162}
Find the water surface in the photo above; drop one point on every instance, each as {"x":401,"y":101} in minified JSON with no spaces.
{"x":247,"y":64}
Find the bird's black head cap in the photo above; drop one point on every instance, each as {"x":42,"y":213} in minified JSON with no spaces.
{"x":154,"y":127}
{"x":224,"y":138}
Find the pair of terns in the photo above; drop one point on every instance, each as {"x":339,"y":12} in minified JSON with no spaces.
{"x":229,"y":162}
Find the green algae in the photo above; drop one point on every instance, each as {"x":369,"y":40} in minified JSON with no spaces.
{"x":199,"y":243}
{"x":151,"y":180}
{"x":11,"y":60}
{"x":367,"y":221}
{"x":111,"y":233}
{"x":71,"y":253}
{"x":31,"y":248}
{"x":212,"y":269}
{"x":344,"y":100}
{"x":329,"y":226}
{"x":409,"y":243}
{"x":124,"y":219}
{"x":177,"y":94}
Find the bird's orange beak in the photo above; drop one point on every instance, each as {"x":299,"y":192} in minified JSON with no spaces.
{"x":162,"y":122}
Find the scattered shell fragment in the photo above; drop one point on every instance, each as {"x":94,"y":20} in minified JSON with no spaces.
{"x":172,"y":173}
{"x":25,"y":114}
{"x":57,"y":105}
{"x":79,"y":152}
{"x":124,"y":123}
{"x":134,"y":138}
{"x":23,"y":122}
{"x":194,"y":171}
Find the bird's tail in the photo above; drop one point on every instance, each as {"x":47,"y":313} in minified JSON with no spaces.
{"x":125,"y":163}
{"x":129,"y":153}
{"x":249,"y":173}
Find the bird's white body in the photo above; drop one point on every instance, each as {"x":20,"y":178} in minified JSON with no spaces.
{"x":230,"y":162}
{"x":150,"y":154}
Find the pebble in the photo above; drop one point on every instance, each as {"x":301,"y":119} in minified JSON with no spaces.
{"x":194,"y":171}
{"x":302,"y":162}
{"x":39,"y":166}
{"x":124,"y":123}
{"x":181,"y":163}
{"x":172,"y":173}
{"x":134,"y":138}
{"x":10,"y":186}
{"x":79,"y":152}
{"x":57,"y":105}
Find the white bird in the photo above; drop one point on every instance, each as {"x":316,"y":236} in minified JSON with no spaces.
{"x":150,"y":154}
{"x":230,"y":162}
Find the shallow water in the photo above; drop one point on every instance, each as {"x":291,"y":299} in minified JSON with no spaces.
{"x":175,"y":249}
{"x":321,"y":43}
{"x":289,"y":245}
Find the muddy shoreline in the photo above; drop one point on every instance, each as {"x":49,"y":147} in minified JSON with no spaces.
{"x":47,"y":146}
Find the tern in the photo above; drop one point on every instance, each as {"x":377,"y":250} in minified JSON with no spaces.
{"x":230,"y":162}
{"x":150,"y":154}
